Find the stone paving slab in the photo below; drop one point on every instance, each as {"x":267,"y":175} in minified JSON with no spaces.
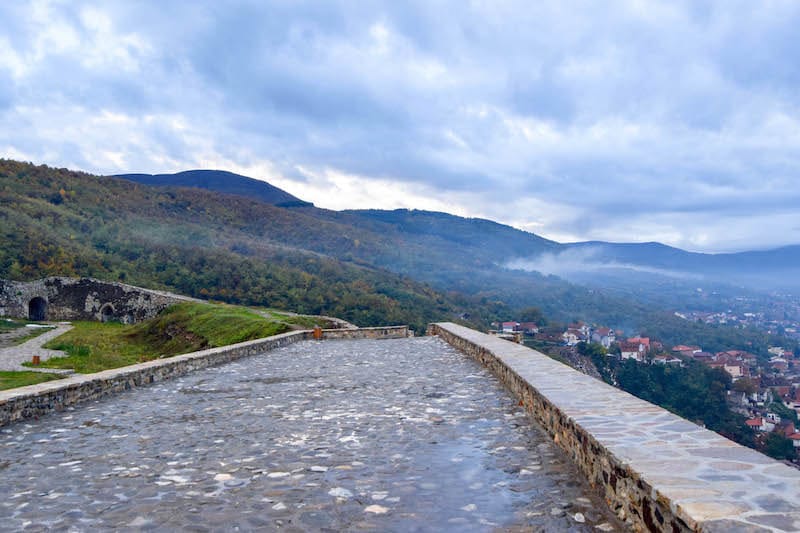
{"x":710,"y":482}
{"x":366,"y":435}
{"x":12,"y":357}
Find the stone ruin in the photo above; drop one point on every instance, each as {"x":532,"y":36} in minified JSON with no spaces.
{"x":59,"y":298}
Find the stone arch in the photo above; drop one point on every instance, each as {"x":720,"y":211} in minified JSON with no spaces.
{"x":37,"y":309}
{"x":107,"y":313}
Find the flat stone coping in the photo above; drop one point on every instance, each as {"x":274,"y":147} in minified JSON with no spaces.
{"x":709,"y":482}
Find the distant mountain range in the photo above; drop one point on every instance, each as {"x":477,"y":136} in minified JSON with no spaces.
{"x":221,"y":181}
{"x":614,"y":264}
{"x":203,"y":235}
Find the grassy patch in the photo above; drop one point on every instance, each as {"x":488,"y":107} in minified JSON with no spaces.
{"x":7,"y":324}
{"x":11,"y":380}
{"x":294,"y":321}
{"x":182,"y":328}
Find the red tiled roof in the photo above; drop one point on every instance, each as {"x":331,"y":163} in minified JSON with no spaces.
{"x":684,"y":348}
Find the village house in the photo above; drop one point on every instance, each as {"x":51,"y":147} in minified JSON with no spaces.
{"x":509,"y":327}
{"x":779,"y":364}
{"x":736,"y":370}
{"x":572,"y":337}
{"x":667,"y":360}
{"x":604,"y":336}
{"x":704,"y":357}
{"x":760,"y":424}
{"x":583,"y":328}
{"x":644,"y":343}
{"x":683,"y":349}
{"x":631,"y":350}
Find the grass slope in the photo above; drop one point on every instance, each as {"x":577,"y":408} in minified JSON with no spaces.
{"x":12,"y":380}
{"x":182,"y":328}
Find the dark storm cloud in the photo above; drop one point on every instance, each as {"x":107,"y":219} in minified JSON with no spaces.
{"x":677,"y":121}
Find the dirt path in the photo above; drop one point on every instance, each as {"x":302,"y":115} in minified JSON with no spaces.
{"x":12,"y":357}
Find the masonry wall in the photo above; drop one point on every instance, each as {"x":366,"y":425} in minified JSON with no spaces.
{"x":658,"y":472}
{"x":84,"y":299}
{"x":38,"y":400}
{"x":390,"y":332}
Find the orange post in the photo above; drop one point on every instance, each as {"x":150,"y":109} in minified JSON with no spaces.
{"x":317,"y":333}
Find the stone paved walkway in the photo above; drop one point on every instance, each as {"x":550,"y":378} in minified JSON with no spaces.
{"x":12,"y":357}
{"x":390,"y":435}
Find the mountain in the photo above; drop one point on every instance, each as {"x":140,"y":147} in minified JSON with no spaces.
{"x":220,"y":181}
{"x":204,"y":244}
{"x":631,"y":268}
{"x":667,"y":258}
{"x":367,"y":266}
{"x":654,"y":263}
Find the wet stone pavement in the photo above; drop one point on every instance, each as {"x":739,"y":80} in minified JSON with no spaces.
{"x":387,"y":435}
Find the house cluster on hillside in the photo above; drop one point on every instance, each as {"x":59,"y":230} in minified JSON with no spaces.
{"x":580,"y":332}
{"x":514,"y":331}
{"x":772,"y":423}
{"x":771,"y":382}
{"x":773,"y":325}
{"x":638,"y":348}
{"x":760,"y":406}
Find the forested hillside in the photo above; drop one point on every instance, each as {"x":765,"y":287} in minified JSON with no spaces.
{"x":61,"y":222}
{"x":202,"y":243}
{"x":221,"y":181}
{"x":370,"y":267}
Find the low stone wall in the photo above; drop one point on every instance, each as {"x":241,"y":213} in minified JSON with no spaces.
{"x":658,"y":471}
{"x":390,"y":332}
{"x":37,"y":400}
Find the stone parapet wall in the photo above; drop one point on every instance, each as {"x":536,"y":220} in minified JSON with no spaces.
{"x":37,"y":400}
{"x":389,"y":332}
{"x":658,"y":472}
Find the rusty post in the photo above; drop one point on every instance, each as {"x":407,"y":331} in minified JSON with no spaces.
{"x":317,"y":333}
{"x":36,"y":360}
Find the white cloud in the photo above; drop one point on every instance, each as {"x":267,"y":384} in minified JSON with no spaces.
{"x":672,"y":121}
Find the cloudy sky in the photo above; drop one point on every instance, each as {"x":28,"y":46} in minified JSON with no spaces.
{"x":624,"y":120}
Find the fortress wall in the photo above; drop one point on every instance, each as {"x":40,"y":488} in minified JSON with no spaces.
{"x":83,"y":299}
{"x":658,"y":472}
{"x":38,"y":400}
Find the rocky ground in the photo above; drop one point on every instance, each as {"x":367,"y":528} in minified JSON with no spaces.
{"x":391,"y":435}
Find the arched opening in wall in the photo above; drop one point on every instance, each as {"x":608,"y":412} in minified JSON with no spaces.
{"x":107,"y":313}
{"x":37,"y":309}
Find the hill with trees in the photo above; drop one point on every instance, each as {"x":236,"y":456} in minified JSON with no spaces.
{"x":200,"y":243}
{"x":370,"y":267}
{"x":220,"y":181}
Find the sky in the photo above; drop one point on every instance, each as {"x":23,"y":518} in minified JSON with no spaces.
{"x":634,"y":121}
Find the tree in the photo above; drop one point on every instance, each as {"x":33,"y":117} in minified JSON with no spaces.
{"x":744,"y":385}
{"x":779,"y":447}
{"x":533,"y":314}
